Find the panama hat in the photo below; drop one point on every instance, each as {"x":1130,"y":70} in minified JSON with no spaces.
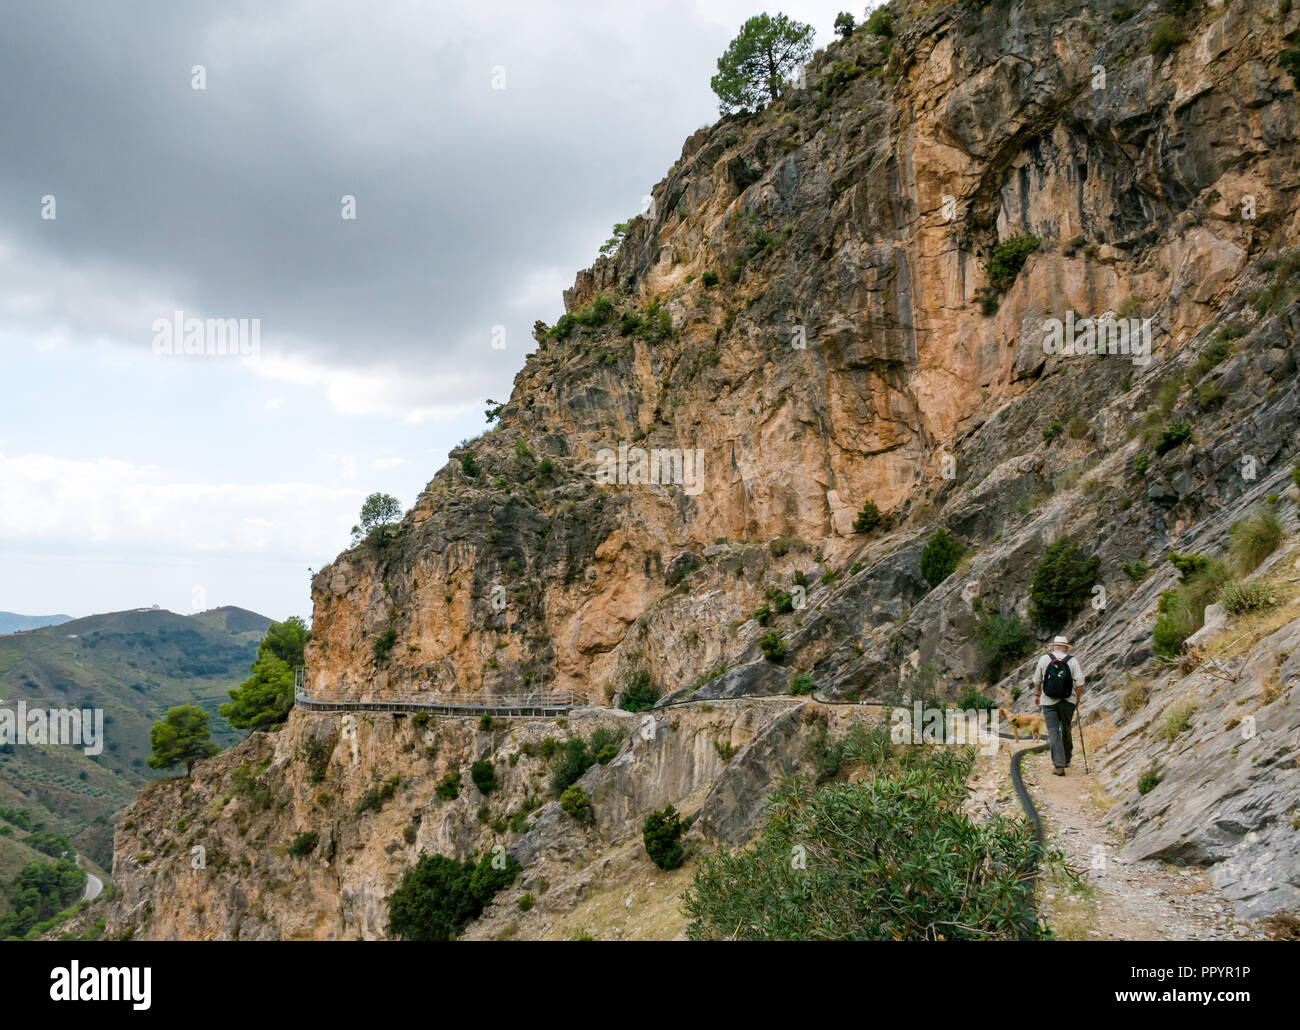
{"x":1060,"y":642}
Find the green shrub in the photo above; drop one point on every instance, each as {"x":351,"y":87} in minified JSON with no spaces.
{"x":1289,"y":61}
{"x":880,"y":23}
{"x":763,"y":614}
{"x":930,"y":868}
{"x":802,"y":684}
{"x":1052,"y":432}
{"x":1177,"y":721}
{"x":607,"y":754}
{"x":1136,"y":570}
{"x":383,"y":645}
{"x":576,"y":756}
{"x":837,"y":79}
{"x":1149,"y":778}
{"x":316,"y":753}
{"x":247,"y":785}
{"x":1062,"y":584}
{"x":868,"y":518}
{"x":940,"y":557}
{"x":1213,"y":355}
{"x":563,"y":327}
{"x":783,"y":545}
{"x":448,"y":787}
{"x":1188,"y":565}
{"x":304,"y":844}
{"x":773,"y":647}
{"x":484,"y":776}
{"x":1181,"y":612}
{"x":1001,"y":642}
{"x":439,"y":896}
{"x":662,"y":834}
{"x":575,"y":803}
{"x":1174,"y":624}
{"x":709,"y":278}
{"x":824,"y":753}
{"x":1239,"y":598}
{"x":1172,"y":435}
{"x":1008,"y":258}
{"x":974,"y":699}
{"x":639,"y":693}
{"x":683,"y":569}
{"x":781,"y":602}
{"x":1140,"y":463}
{"x":373,"y":800}
{"x":468,"y":465}
{"x":574,"y":759}
{"x":598,"y":312}
{"x":1253,"y":539}
{"x":485,"y":722}
{"x":1166,"y":37}
{"x":525,"y":902}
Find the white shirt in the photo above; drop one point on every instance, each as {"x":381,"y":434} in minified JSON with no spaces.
{"x":1076,"y":674}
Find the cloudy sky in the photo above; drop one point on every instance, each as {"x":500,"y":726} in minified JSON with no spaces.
{"x":488,"y":146}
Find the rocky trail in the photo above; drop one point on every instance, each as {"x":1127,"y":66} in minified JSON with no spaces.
{"x":1118,"y":899}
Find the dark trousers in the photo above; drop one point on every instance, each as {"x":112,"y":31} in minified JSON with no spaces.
{"x":1058,"y":718}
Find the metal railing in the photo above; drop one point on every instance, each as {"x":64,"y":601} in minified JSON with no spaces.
{"x":540,"y":703}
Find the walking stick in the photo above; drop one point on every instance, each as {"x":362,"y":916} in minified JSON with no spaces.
{"x":1078,"y":721}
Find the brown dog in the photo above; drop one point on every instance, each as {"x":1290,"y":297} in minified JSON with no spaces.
{"x":1034,"y":725}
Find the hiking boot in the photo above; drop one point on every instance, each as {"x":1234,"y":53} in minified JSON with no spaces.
{"x":1059,"y":770}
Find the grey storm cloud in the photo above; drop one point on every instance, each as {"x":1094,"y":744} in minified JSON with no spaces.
{"x":227,"y":200}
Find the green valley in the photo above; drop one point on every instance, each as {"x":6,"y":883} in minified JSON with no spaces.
{"x":133,"y":665}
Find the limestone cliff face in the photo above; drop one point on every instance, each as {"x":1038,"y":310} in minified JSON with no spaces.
{"x":815,"y":305}
{"x":844,"y":353}
{"x":213,"y":857}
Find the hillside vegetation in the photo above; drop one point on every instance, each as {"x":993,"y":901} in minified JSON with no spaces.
{"x":134,"y":665}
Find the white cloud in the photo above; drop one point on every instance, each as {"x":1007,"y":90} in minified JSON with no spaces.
{"x":415,"y":395}
{"x":116,"y":507}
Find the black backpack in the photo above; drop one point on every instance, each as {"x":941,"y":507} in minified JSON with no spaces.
{"x":1058,"y":684}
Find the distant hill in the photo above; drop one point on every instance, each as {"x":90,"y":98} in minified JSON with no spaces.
{"x":134,"y":665}
{"x":11,"y":622}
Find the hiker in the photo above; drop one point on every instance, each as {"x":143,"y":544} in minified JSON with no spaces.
{"x":1057,"y":676}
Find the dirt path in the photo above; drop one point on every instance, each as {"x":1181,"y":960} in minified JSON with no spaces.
{"x":1119,"y":900}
